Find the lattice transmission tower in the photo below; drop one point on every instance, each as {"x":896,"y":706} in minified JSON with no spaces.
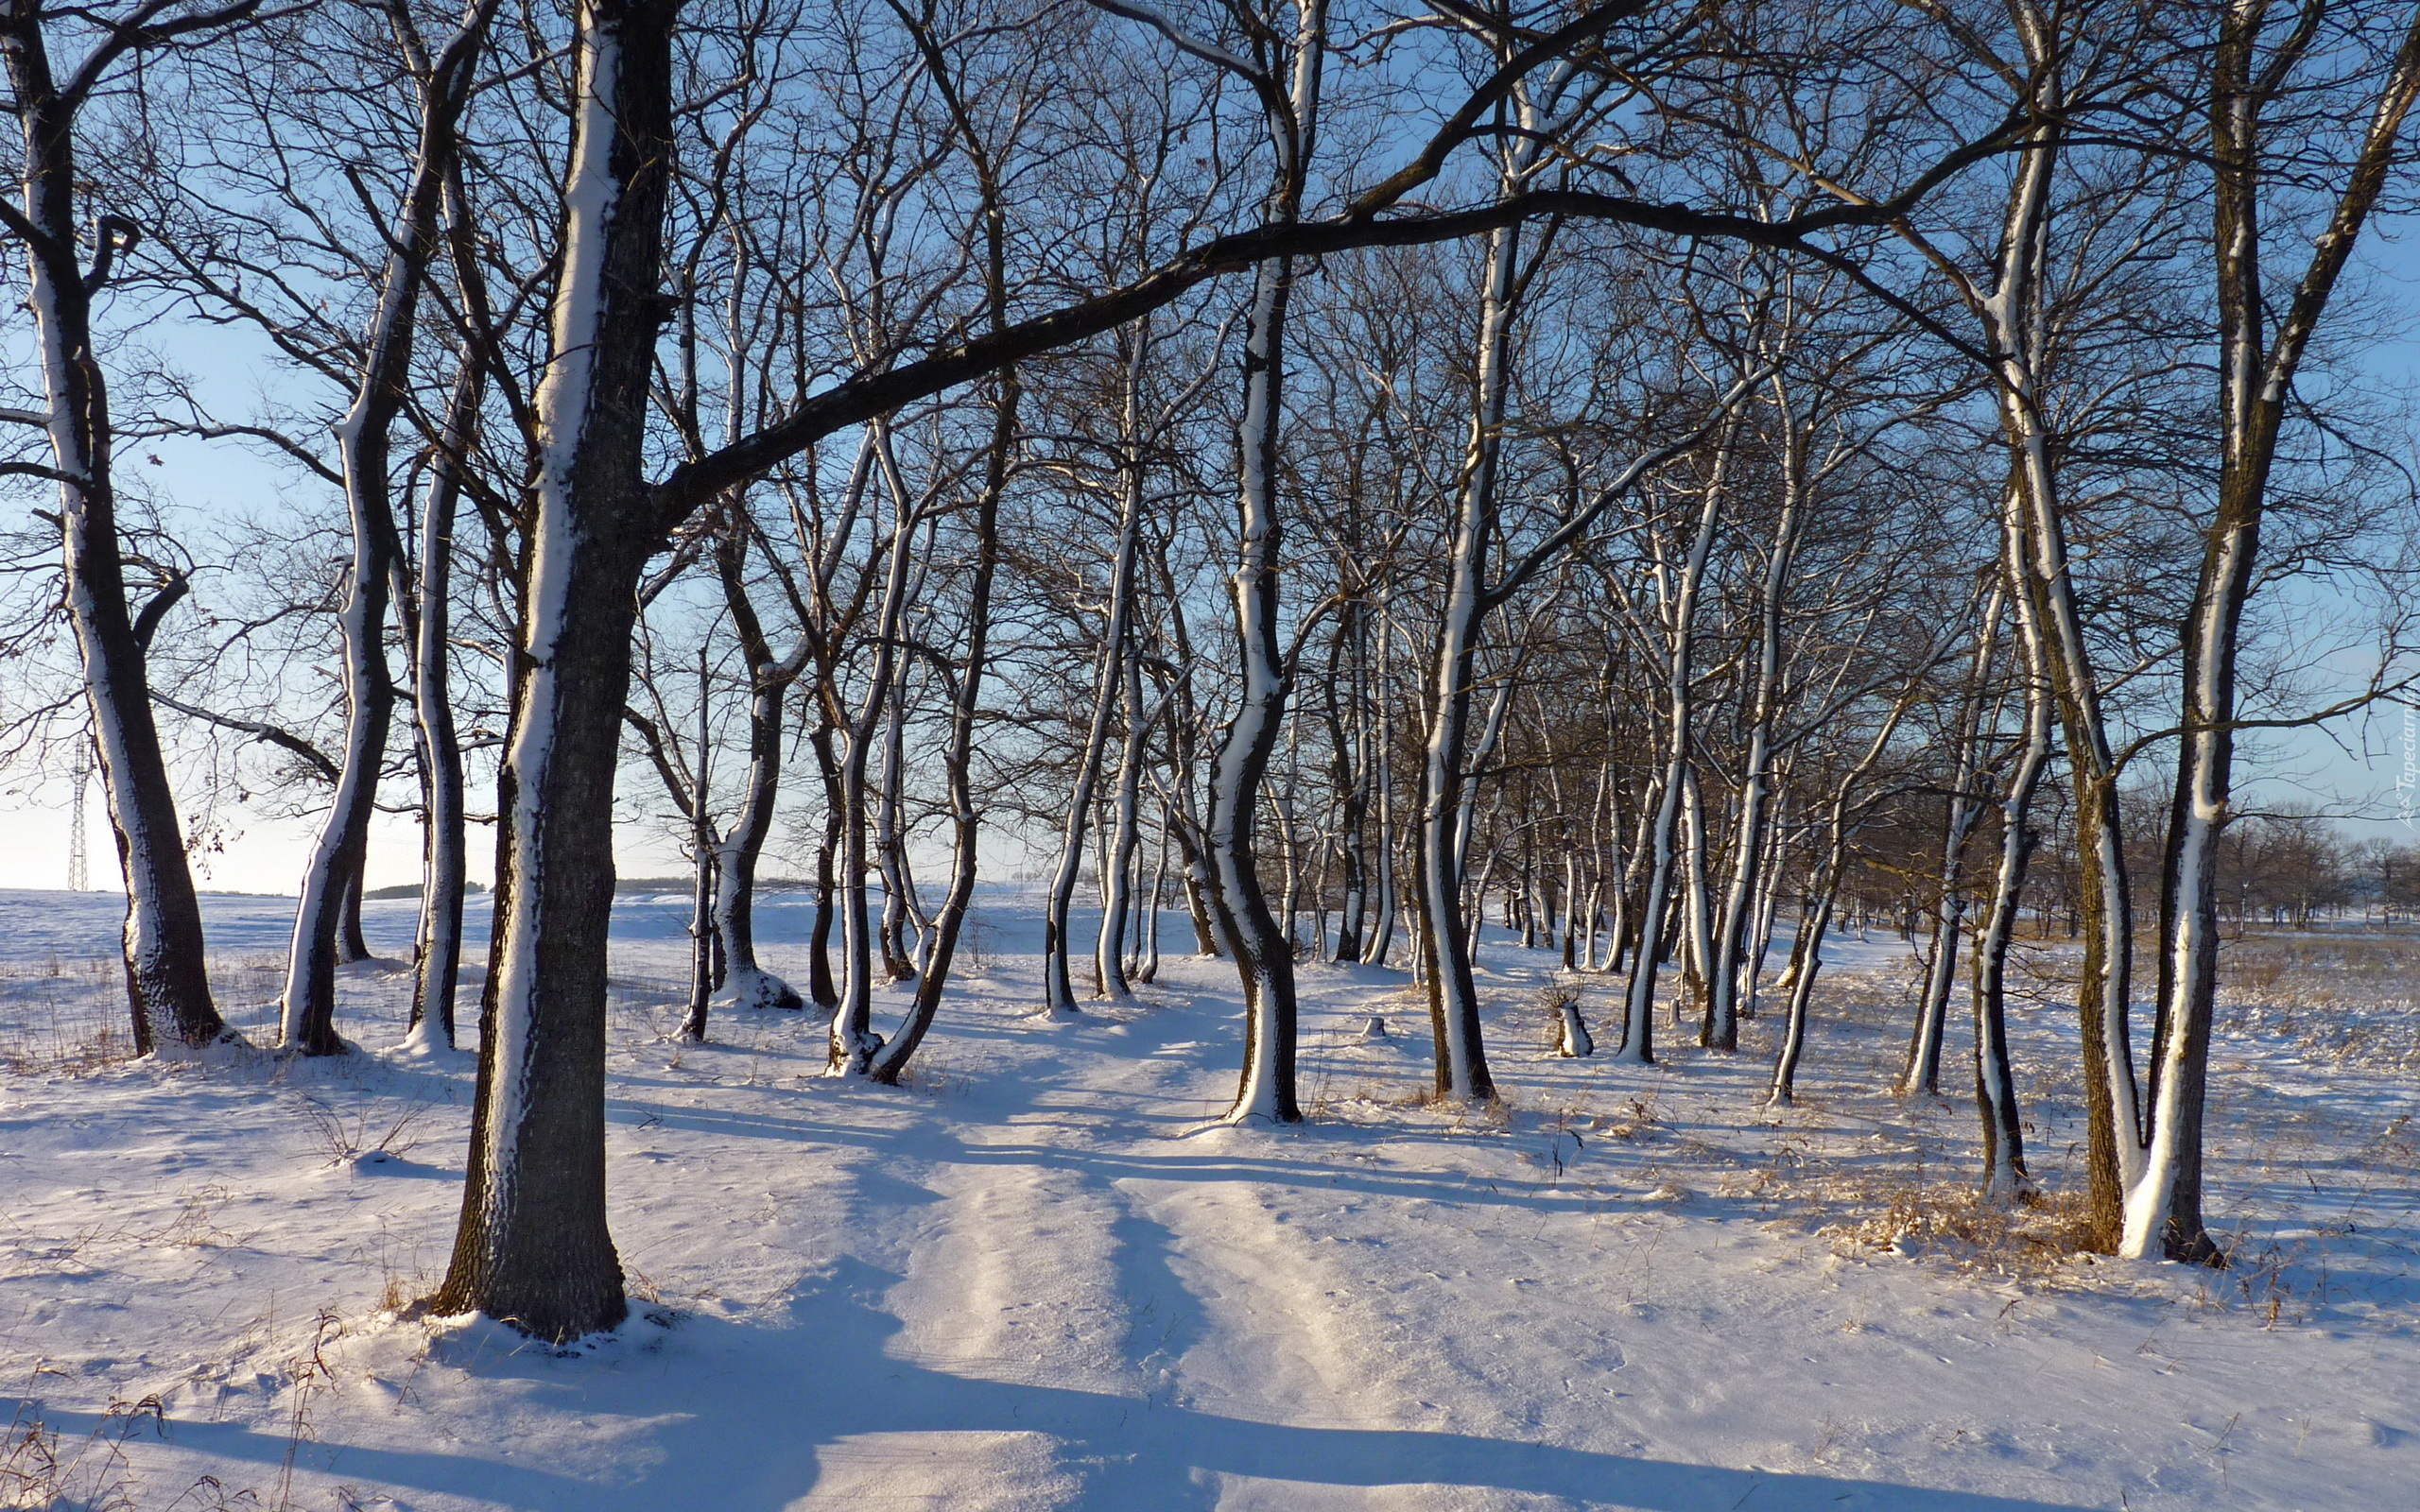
{"x":79,"y":865}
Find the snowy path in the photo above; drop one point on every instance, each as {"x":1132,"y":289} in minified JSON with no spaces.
{"x":1034,"y":1281}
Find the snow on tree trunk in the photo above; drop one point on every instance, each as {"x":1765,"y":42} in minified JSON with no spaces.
{"x":327,"y":915}
{"x":438,"y":953}
{"x":2255,"y":389}
{"x":1380,"y":760}
{"x":704,"y":868}
{"x":2004,"y":1172}
{"x":821,"y":989}
{"x":1680,"y":601}
{"x":1264,"y":957}
{"x":745,"y":983}
{"x":899,"y":906}
{"x":853,"y":1039}
{"x":1146,"y":965}
{"x":1720,"y":1029}
{"x":957,"y":759}
{"x":307,"y":1009}
{"x":1125,"y":839}
{"x":351,"y":944}
{"x":1447,"y":787}
{"x":1921,"y":1075}
{"x":167,"y":985}
{"x":1806,"y":964}
{"x":533,"y":1248}
{"x":1058,"y":993}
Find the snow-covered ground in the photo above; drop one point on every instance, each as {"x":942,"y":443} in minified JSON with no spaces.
{"x":1033,"y":1280}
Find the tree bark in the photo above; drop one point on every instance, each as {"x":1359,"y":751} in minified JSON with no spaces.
{"x":437,"y":958}
{"x":332,"y":877}
{"x":167,"y":984}
{"x":533,"y":1248}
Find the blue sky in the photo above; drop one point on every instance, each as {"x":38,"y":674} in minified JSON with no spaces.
{"x":2353,"y":768}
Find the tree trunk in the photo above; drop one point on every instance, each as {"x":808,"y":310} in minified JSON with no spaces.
{"x":704,"y":865}
{"x":533,"y":1248}
{"x":1921,"y":1075}
{"x":1639,"y":1005}
{"x":2255,"y":384}
{"x":1125,"y":839}
{"x":745,"y":983}
{"x":1264,"y":957}
{"x":854,"y":1041}
{"x":166,"y":982}
{"x":1381,"y":764}
{"x":966,"y":811}
{"x":327,"y":917}
{"x":438,"y":956}
{"x":821,"y":989}
{"x":1721,"y":1030}
{"x":1058,"y":986}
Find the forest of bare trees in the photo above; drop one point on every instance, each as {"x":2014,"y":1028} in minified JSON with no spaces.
{"x":1301,"y":479}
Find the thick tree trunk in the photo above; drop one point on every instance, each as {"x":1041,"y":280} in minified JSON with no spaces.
{"x":533,"y":1248}
{"x":166,"y":982}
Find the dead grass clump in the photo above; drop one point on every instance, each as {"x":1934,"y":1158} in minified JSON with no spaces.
{"x":351,"y":1139}
{"x":1637,"y":1123}
{"x":979,"y":948}
{"x":67,"y":1015}
{"x":2028,"y":1240}
{"x":39,"y":1468}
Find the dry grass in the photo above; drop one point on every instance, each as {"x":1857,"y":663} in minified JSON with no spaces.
{"x":56,"y":1016}
{"x":365,"y":1132}
{"x":67,"y":1015}
{"x":2031,"y":1240}
{"x":43,"y":1471}
{"x":2343,"y":998}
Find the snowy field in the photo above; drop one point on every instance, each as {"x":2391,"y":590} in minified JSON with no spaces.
{"x":1032,"y":1280}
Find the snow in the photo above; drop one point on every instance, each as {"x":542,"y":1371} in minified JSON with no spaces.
{"x":1042,"y":1276}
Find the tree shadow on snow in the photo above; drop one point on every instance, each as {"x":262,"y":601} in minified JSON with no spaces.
{"x":734,"y":1417}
